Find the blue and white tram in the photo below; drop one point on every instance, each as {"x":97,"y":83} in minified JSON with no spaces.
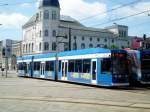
{"x":24,"y":65}
{"x":37,"y":66}
{"x":96,"y":66}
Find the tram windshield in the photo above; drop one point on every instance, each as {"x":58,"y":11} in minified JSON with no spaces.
{"x":145,"y":62}
{"x":119,"y":63}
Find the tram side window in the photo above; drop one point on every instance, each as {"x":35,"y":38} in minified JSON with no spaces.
{"x":20,"y":66}
{"x":49,"y":66}
{"x":78,"y":66}
{"x":105,"y":65}
{"x":71,"y":66}
{"x":59,"y":66}
{"x":86,"y":66}
{"x":24,"y":66}
{"x":37,"y":66}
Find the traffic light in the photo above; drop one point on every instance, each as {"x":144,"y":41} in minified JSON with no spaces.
{"x":4,"y":52}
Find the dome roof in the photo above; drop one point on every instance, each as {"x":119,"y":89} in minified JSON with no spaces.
{"x":47,"y":3}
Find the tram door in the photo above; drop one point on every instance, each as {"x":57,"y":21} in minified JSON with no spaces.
{"x":42,"y":70}
{"x":94,"y":71}
{"x":27,"y":71}
{"x":64,"y":70}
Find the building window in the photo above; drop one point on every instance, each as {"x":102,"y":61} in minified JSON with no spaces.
{"x":91,"y":46}
{"x":54,"y":33}
{"x":98,"y":45}
{"x":32,"y":46}
{"x":54,"y":46}
{"x":40,"y":47}
{"x":46,"y":14}
{"x":40,"y":33}
{"x":82,"y":46}
{"x":46,"y":46}
{"x":29,"y":49}
{"x":54,"y":15}
{"x":66,"y":47}
{"x":75,"y":37}
{"x":112,"y":40}
{"x":98,"y":39}
{"x":46,"y":33}
{"x":83,"y":38}
{"x":40,"y":15}
{"x":105,"y":40}
{"x":74,"y":46}
{"x":90,"y":38}
{"x":26,"y":48}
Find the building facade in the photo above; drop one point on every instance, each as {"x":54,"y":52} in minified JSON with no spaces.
{"x":12,"y":50}
{"x":43,"y":32}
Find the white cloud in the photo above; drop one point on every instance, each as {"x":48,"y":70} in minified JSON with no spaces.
{"x":26,"y":5}
{"x":12,"y":21}
{"x":80,"y":9}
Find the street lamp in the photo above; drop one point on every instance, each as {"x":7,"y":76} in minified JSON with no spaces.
{"x":56,"y":55}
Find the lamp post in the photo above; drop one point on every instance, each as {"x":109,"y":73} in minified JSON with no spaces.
{"x":56,"y":55}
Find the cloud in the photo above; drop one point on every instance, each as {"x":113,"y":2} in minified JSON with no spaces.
{"x":25,"y":5}
{"x":79,"y":9}
{"x":12,"y":21}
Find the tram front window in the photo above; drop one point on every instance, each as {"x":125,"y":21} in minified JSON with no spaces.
{"x":145,"y":66}
{"x":119,"y":64}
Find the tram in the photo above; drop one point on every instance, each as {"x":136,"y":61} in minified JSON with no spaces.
{"x":94,"y":66}
{"x":139,"y":67}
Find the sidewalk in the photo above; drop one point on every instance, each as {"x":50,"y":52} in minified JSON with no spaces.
{"x":10,"y":74}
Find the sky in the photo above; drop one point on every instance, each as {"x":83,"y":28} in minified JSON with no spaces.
{"x":91,"y":13}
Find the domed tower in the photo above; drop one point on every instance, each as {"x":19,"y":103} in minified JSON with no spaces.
{"x":49,"y":18}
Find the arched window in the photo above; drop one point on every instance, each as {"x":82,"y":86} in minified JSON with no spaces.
{"x":32,"y":47}
{"x":40,"y":33}
{"x":46,"y":46}
{"x":40,"y":46}
{"x":82,"y":46}
{"x":91,"y":46}
{"x":74,"y":46}
{"x":54,"y":15}
{"x":83,"y":38}
{"x":29,"y":49}
{"x":90,"y":38}
{"x":54,"y":46}
{"x":46,"y":14}
{"x":54,"y":33}
{"x":26,"y":48}
{"x":46,"y":33}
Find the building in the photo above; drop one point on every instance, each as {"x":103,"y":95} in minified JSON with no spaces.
{"x":12,"y":49}
{"x":136,"y":42}
{"x":16,"y":51}
{"x":17,"y":48}
{"x":47,"y":27}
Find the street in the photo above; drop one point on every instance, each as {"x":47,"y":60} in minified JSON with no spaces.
{"x":32,"y":95}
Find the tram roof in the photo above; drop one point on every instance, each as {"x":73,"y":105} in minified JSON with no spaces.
{"x":84,"y":51}
{"x":36,"y":56}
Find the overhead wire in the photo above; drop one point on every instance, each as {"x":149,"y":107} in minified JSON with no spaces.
{"x":110,"y":10}
{"x":122,"y":18}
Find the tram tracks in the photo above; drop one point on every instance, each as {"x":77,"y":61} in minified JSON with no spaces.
{"x":82,"y":101}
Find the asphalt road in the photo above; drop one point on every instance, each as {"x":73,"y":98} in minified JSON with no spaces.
{"x":33,"y":95}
